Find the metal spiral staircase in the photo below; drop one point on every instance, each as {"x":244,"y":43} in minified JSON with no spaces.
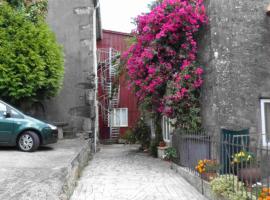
{"x":108,"y":62}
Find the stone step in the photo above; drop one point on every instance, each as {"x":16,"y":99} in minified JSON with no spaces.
{"x":109,"y":141}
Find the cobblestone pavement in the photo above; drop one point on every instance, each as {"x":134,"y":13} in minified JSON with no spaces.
{"x":119,"y":172}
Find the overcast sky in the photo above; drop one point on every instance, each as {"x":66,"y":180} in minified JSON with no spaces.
{"x":117,"y":15}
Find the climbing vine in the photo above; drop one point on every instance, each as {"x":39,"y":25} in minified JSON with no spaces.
{"x":162,"y":62}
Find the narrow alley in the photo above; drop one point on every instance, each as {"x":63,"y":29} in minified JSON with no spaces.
{"x":120,"y":172}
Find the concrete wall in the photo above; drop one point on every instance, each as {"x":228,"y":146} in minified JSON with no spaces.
{"x":74,"y":24}
{"x":235,"y":50}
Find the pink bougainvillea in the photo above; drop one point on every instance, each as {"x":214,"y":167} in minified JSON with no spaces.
{"x":162,"y":63}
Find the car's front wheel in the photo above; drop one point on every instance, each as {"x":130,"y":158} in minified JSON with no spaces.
{"x":28,"y":141}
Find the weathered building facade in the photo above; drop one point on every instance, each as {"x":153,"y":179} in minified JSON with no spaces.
{"x":235,"y":50}
{"x":77,"y":27}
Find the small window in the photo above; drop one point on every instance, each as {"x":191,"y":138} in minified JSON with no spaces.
{"x":166,"y":128}
{"x":119,"y":117}
{"x":265,"y":116}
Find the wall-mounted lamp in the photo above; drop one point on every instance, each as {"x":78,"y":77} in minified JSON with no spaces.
{"x":268,"y":10}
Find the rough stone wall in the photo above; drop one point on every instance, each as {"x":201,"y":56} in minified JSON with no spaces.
{"x":73,"y":23}
{"x":235,"y":50}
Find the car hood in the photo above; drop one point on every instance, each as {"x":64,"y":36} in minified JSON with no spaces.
{"x":35,"y":120}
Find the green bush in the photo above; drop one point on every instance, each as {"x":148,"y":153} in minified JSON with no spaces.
{"x":170,"y":153}
{"x":31,"y":61}
{"x":229,"y":187}
{"x":153,"y":148}
{"x":142,"y":133}
{"x":129,"y":137}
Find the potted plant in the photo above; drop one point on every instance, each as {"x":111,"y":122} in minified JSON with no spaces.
{"x":161,"y":149}
{"x":241,"y":160}
{"x":208,"y":169}
{"x":170,"y":154}
{"x":162,"y":144}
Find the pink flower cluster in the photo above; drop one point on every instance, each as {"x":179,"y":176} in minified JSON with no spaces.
{"x":163,"y":58}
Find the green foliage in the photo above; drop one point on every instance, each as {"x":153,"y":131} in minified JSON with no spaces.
{"x":158,"y":131}
{"x":18,"y":4}
{"x":153,"y":148}
{"x":243,"y":158}
{"x":117,"y":69}
{"x":187,"y":111}
{"x":227,"y":186}
{"x":32,"y":9}
{"x":130,"y":41}
{"x":154,"y":4}
{"x":129,"y":136}
{"x":37,"y":10}
{"x":142,"y":133}
{"x":31,"y":61}
{"x":170,"y":153}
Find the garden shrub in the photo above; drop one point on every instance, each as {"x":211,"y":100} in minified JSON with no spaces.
{"x":31,"y":61}
{"x":129,"y":136}
{"x":229,"y":187}
{"x":142,"y":133}
{"x":170,"y":153}
{"x":154,"y":148}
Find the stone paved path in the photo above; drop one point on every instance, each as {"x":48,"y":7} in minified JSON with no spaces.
{"x":119,"y":172}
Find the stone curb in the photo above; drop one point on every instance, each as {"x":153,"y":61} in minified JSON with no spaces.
{"x":73,"y":170}
{"x":200,"y":185}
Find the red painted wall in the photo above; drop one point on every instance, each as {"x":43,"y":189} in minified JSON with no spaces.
{"x":128,"y":100}
{"x":114,"y":40}
{"x":117,"y":40}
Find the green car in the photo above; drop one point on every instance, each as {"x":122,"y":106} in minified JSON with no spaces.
{"x":27,"y":133}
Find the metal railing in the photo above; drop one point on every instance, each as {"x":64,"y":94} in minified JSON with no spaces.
{"x":240,"y":158}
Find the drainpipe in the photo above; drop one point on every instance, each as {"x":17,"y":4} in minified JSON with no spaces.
{"x":95,"y":71}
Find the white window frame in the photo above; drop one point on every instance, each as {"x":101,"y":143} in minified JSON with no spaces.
{"x":123,"y":123}
{"x":166,"y":129}
{"x":264,"y":134}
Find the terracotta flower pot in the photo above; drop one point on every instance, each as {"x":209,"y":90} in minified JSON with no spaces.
{"x":162,"y":144}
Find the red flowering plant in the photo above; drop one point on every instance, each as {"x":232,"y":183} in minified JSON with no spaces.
{"x":161,"y":63}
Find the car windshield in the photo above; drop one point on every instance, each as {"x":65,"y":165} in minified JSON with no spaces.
{"x":4,"y":107}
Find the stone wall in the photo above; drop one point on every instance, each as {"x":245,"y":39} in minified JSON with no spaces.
{"x":235,"y":50}
{"x":74,"y":24}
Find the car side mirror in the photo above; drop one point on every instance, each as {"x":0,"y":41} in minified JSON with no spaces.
{"x":7,"y":114}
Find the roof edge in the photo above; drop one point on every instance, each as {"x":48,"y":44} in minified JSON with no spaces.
{"x":116,"y":32}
